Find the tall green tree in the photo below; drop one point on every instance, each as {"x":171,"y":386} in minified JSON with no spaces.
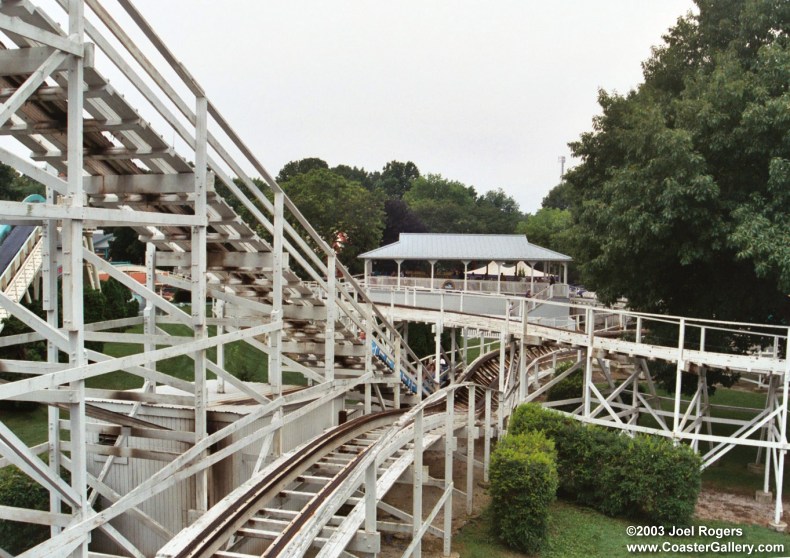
{"x":680,"y":202}
{"x":335,"y":205}
{"x":497,"y":213}
{"x":302,"y":166}
{"x":396,"y":178}
{"x":550,"y":228}
{"x":445,"y":206}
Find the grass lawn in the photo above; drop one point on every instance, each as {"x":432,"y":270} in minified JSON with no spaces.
{"x":577,"y":532}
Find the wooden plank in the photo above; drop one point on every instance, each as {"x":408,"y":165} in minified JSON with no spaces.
{"x":24,"y":61}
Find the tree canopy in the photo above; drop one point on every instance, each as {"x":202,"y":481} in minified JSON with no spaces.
{"x":332,"y":204}
{"x":681,"y":201}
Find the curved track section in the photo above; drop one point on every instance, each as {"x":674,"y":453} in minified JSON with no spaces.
{"x":294,"y":503}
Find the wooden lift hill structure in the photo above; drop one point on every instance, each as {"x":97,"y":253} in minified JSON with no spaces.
{"x":234,"y":469}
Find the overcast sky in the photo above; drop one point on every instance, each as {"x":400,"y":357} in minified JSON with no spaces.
{"x":487,"y":93}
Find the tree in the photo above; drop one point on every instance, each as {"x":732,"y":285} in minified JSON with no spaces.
{"x":497,"y":213}
{"x":126,"y":246}
{"x":355,"y":174}
{"x":15,"y":186}
{"x":446,"y":206}
{"x":680,"y":202}
{"x":302,"y":166}
{"x":399,"y":218}
{"x":396,"y":178}
{"x":550,"y":228}
{"x":559,"y":197}
{"x":333,"y":204}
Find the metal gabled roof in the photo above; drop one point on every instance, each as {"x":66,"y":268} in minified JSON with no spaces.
{"x":464,"y":247}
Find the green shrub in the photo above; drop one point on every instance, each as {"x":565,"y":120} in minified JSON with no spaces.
{"x":652,"y":479}
{"x":645,"y":477}
{"x":19,"y":490}
{"x":523,"y":484}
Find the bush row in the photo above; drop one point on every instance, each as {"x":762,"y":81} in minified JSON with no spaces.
{"x":644,"y":477}
{"x":523,"y":484}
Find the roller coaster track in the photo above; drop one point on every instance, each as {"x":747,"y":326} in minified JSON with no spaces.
{"x":309,"y":478}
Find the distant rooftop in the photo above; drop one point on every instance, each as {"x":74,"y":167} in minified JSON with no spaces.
{"x":464,"y":247}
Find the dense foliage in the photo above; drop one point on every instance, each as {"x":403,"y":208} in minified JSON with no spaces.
{"x":20,"y":491}
{"x":523,"y":485}
{"x":643,"y":477}
{"x":682,"y":200}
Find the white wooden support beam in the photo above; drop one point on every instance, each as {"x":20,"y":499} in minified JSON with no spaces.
{"x":275,"y":338}
{"x":198,"y":280}
{"x":470,"y":449}
{"x":780,"y":465}
{"x":49,"y":303}
{"x":437,"y":368}
{"x":36,"y":212}
{"x":73,"y":316}
{"x":331,"y":310}
{"x":19,"y":27}
{"x":449,"y":448}
{"x":417,"y":489}
{"x":590,"y":327}
{"x":15,"y":102}
{"x":370,"y":498}
{"x":219,"y":312}
{"x":501,"y":380}
{"x":679,"y":376}
{"x":487,"y":435}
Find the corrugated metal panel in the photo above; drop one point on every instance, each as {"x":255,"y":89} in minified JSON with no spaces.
{"x":464,"y":247}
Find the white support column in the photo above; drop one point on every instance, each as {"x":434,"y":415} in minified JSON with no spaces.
{"x":368,"y":272}
{"x":437,"y":368}
{"x":523,"y":387}
{"x":398,"y":366}
{"x":73,"y":316}
{"x":219,"y":312}
{"x":565,"y":273}
{"x":465,"y":346}
{"x":433,"y":264}
{"x":466,"y":270}
{"x":453,"y":354}
{"x":487,"y":437}
{"x":370,"y":499}
{"x":331,"y":311}
{"x":49,"y":303}
{"x":532,"y":277}
{"x":149,"y":313}
{"x":417,"y":488}
{"x":780,"y":462}
{"x":590,"y":327}
{"x":399,"y":262}
{"x":198,"y":282}
{"x":448,"y":471}
{"x":500,"y":423}
{"x":470,"y":450}
{"x":369,"y":357}
{"x":275,"y":337}
{"x":679,"y":378}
